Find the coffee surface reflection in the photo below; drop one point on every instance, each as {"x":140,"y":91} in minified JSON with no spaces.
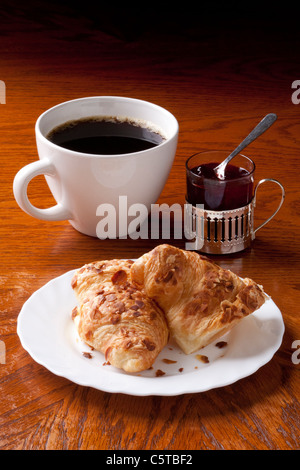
{"x":105,"y":136}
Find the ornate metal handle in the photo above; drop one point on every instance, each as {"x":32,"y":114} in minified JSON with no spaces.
{"x":279,"y":206}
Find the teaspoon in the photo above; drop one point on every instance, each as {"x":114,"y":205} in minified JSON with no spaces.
{"x":261,"y":127}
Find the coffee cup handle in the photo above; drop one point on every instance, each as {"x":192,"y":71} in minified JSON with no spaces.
{"x":21,"y":181}
{"x":279,"y":206}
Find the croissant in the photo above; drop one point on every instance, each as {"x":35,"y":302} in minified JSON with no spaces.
{"x":201,"y":300}
{"x":117,"y":318}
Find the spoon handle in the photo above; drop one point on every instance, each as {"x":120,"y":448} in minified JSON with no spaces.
{"x":261,"y":127}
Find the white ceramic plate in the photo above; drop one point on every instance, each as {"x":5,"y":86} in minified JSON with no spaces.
{"x":47,"y":333}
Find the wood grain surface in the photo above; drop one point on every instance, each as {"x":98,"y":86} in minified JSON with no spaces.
{"x":218,"y":77}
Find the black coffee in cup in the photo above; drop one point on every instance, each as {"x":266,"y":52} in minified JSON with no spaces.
{"x":105,"y":135}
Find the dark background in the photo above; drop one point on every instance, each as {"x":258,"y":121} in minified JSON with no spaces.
{"x":131,"y":20}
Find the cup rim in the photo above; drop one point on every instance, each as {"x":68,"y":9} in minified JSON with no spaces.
{"x":44,"y":139}
{"x":221,"y":150}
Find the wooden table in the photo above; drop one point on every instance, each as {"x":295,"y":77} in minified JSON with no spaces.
{"x":218,"y":81}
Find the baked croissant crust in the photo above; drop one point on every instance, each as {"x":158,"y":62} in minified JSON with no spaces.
{"x":117,"y":318}
{"x":201,"y":300}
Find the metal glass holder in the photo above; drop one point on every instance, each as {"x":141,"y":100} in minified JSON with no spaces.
{"x":224,"y":232}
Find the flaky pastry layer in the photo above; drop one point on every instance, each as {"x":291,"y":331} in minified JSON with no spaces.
{"x":201,"y":300}
{"x":116,"y":317}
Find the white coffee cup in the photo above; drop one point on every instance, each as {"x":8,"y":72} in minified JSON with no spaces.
{"x":80,"y":182}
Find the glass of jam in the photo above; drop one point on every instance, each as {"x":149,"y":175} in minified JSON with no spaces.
{"x":204,"y":187}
